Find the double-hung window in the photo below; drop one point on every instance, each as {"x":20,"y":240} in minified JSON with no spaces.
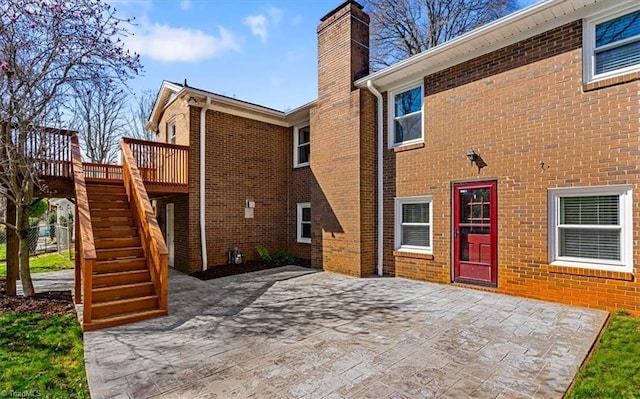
{"x":304,"y":223}
{"x":591,"y":227}
{"x":413,"y":231}
{"x":405,"y":116}
{"x":612,"y":45}
{"x":301,"y":146}
{"x":171,"y":133}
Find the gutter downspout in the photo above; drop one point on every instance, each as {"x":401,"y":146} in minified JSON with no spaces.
{"x":376,"y":93}
{"x":203,"y":236}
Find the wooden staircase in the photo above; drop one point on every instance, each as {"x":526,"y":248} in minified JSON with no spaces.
{"x":122,"y":288}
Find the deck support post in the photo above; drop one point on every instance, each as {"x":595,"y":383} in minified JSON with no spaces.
{"x":78,"y":266}
{"x":13,"y":247}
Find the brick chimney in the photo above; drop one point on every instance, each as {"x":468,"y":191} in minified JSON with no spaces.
{"x":343,"y":147}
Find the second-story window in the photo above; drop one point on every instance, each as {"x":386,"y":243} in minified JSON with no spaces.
{"x":405,"y":116}
{"x":612,"y":45}
{"x":171,"y":133}
{"x":301,"y":145}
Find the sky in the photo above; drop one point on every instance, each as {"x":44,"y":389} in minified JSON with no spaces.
{"x":263,"y":52}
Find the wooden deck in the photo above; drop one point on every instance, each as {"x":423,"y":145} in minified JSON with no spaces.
{"x":121,"y":261}
{"x":163,"y":168}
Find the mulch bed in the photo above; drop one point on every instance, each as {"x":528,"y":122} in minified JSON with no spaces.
{"x":50,"y":303}
{"x":247,"y":267}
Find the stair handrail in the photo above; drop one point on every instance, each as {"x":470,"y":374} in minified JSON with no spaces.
{"x":84,"y":231}
{"x":153,"y":244}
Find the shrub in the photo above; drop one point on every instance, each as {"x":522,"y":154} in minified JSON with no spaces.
{"x":263,"y":254}
{"x":278,"y":257}
{"x":283,"y":258}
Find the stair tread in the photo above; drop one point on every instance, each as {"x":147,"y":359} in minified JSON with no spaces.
{"x":137,"y":258}
{"x":121,"y":273}
{"x":121,"y":277}
{"x":123,"y":290}
{"x":120,"y":262}
{"x":136,"y":248}
{"x":124,"y":318}
{"x":111,"y":218}
{"x":108,"y":266}
{"x":121,"y":301}
{"x":109,"y":205}
{"x":121,"y":286}
{"x":113,"y":238}
{"x":114,"y":228}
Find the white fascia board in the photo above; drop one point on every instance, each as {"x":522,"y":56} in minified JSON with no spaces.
{"x":236,"y":107}
{"x":299,"y":115}
{"x":161,"y":102}
{"x":511,"y":29}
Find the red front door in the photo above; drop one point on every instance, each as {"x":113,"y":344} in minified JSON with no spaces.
{"x":475,"y":235}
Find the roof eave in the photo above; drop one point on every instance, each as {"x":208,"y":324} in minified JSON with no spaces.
{"x":420,"y":64}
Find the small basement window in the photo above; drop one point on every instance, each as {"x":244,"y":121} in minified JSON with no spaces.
{"x":304,"y":223}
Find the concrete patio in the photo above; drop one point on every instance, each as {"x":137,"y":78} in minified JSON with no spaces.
{"x":299,"y":333}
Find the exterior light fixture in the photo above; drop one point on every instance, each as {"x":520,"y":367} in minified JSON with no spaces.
{"x":474,"y":157}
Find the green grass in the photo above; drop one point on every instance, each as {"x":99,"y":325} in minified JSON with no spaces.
{"x":45,"y":263}
{"x":613,"y":371}
{"x":3,"y":252}
{"x":42,"y":356}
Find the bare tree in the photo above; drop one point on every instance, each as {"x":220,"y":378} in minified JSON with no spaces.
{"x":46,"y":48}
{"x":100,"y":120}
{"x":402,"y":28}
{"x":139,"y":114}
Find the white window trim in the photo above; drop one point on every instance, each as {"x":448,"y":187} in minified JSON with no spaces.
{"x":626,"y":232}
{"x":589,"y":43}
{"x":171,"y":128}
{"x":398,"y":224}
{"x":301,"y":206}
{"x":391,"y":115}
{"x":296,"y":144}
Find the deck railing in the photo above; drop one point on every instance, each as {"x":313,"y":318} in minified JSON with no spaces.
{"x":55,"y":156}
{"x":160,"y":163}
{"x":47,"y":149}
{"x":85,"y":246}
{"x":153,"y":244}
{"x":101,"y":171}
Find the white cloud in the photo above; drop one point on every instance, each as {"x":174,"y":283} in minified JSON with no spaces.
{"x":185,"y":5}
{"x":258,"y":25}
{"x":169,"y":44}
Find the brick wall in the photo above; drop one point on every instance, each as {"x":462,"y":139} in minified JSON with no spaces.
{"x":340,"y":161}
{"x":177,"y":113}
{"x":186,"y":256}
{"x":299,"y":184}
{"x":246,"y":160}
{"x":517,"y":107}
{"x":182,"y":242}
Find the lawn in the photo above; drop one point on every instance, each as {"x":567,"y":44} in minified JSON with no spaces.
{"x":45,"y":263}
{"x":613,"y":371}
{"x":42,"y":357}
